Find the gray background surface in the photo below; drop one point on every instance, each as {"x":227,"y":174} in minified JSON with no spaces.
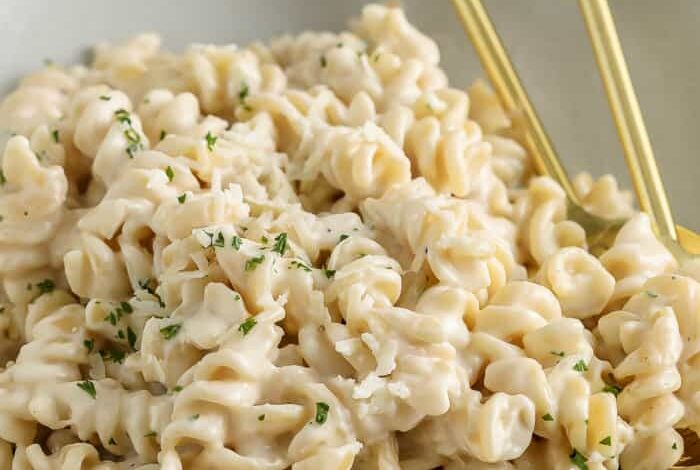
{"x":546,"y":38}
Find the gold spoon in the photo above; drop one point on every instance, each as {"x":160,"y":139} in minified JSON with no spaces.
{"x":639,"y":156}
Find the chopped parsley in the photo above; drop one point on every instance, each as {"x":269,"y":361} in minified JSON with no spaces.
{"x":674,"y":446}
{"x":614,"y":389}
{"x":323,"y":61}
{"x":89,"y":344}
{"x":280,"y":245}
{"x":322,"y":412}
{"x":131,"y":337}
{"x":606,"y":441}
{"x":126,"y":307}
{"x":219,"y":240}
{"x":579,"y":460}
{"x":236,"y":242}
{"x":300,"y":265}
{"x":547,"y":417}
{"x":105,"y":98}
{"x":651,"y":294}
{"x":558,"y":353}
{"x":46,"y":286}
{"x":170,"y":331}
{"x":88,"y":387}
{"x":122,"y":116}
{"x":247,"y":325}
{"x":113,"y":355}
{"x":580,"y":366}
{"x":237,"y":297}
{"x":177,"y":388}
{"x":54,"y":134}
{"x":150,"y":434}
{"x":134,"y":140}
{"x":261,"y":417}
{"x":344,"y":236}
{"x":264,"y":239}
{"x":112,"y":442}
{"x":253,"y":263}
{"x":243,"y":92}
{"x":169,"y":173}
{"x":162,"y":134}
{"x":181,"y":198}
{"x":194,"y":417}
{"x":3,"y":180}
{"x":329,"y":273}
{"x":120,"y":334}
{"x":211,"y":140}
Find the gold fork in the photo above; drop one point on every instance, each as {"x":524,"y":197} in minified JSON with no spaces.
{"x":630,"y":125}
{"x":638,"y":154}
{"x":600,"y":232}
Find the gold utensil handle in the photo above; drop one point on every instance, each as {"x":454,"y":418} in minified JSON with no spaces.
{"x":628,"y":117}
{"x":505,"y":80}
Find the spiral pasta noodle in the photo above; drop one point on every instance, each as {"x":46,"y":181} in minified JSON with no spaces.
{"x":314,"y":253}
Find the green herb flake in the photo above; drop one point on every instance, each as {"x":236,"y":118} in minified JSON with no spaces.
{"x":177,"y":388}
{"x":3,"y":180}
{"x":105,"y":98}
{"x":54,"y":134}
{"x":300,"y":265}
{"x":194,"y":417}
{"x":219,"y":240}
{"x":131,"y":337}
{"x":46,"y":286}
{"x":113,"y":355}
{"x":261,"y":417}
{"x":329,"y":273}
{"x":243,"y":92}
{"x":211,"y":141}
{"x":89,"y":344}
{"x":280,"y":245}
{"x":88,"y":386}
{"x":169,"y":173}
{"x":247,"y":325}
{"x":674,"y":446}
{"x":181,"y":198}
{"x":607,"y":441}
{"x":253,"y":263}
{"x":122,"y":116}
{"x":111,"y":318}
{"x":579,"y":460}
{"x":614,"y":389}
{"x":162,"y":135}
{"x":322,"y":412}
{"x":651,"y":294}
{"x":237,"y":297}
{"x":236,"y":242}
{"x":120,"y":334}
{"x":344,"y":237}
{"x":126,"y":307}
{"x":324,"y":62}
{"x":150,"y":434}
{"x":112,"y":442}
{"x":580,"y":366}
{"x":547,"y":417}
{"x":170,"y":331}
{"x":264,"y":240}
{"x":558,"y":353}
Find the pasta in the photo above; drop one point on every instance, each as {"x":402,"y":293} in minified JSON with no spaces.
{"x":313,"y":253}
